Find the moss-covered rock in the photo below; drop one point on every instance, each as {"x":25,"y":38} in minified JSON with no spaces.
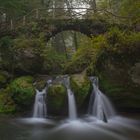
{"x":22,"y":91}
{"x":56,"y":99}
{"x":29,"y":50}
{"x":118,"y":69}
{"x":41,"y":81}
{"x":40,"y":84}
{"x":124,"y":95}
{"x":119,"y":79}
{"x":7,"y":105}
{"x":81,"y":86}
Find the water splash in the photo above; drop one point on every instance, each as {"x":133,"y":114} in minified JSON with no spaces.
{"x":99,"y":105}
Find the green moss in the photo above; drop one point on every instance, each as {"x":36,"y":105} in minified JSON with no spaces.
{"x":81,"y":86}
{"x":7,"y":105}
{"x":22,"y":91}
{"x":122,"y":95}
{"x":56,"y":98}
{"x":111,"y":87}
{"x":114,"y":68}
{"x":40,"y":84}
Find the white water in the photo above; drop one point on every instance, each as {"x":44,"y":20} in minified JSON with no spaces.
{"x":88,"y":127}
{"x":72,"y":105}
{"x":99,"y":105}
{"x":40,"y":108}
{"x":71,"y":100}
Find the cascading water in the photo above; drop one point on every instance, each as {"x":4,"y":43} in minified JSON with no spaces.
{"x":72,"y":105}
{"x":71,"y":100}
{"x":99,"y":105}
{"x":40,"y":108}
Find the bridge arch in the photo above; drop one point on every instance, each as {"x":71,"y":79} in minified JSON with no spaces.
{"x":87,"y":27}
{"x":50,"y":28}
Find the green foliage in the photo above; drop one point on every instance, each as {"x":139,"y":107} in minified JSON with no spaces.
{"x":30,"y":50}
{"x":115,"y":37}
{"x":130,"y":8}
{"x":133,"y":40}
{"x":5,"y":42}
{"x":22,"y":91}
{"x":7,"y":105}
{"x":24,"y":43}
{"x":87,"y":55}
{"x":124,"y":11}
{"x":56,"y":98}
{"x":124,"y":44}
{"x":42,"y":58}
{"x":6,"y":52}
{"x":114,"y":65}
{"x":13,"y":8}
{"x":53,"y":62}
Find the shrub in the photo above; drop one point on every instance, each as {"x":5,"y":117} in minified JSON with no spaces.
{"x":22,"y":91}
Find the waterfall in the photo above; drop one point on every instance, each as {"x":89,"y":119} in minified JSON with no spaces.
{"x":40,"y":108}
{"x":72,"y":105}
{"x":71,"y":100}
{"x":99,"y":105}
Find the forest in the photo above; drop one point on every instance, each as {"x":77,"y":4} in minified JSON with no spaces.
{"x":69,"y":69}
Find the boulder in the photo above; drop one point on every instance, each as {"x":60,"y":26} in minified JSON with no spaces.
{"x":81,"y":86}
{"x":57,"y":99}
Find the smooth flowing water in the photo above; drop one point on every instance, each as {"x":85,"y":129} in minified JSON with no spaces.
{"x":72,"y":105}
{"x":71,"y":100}
{"x":88,"y":127}
{"x":100,"y":106}
{"x":40,"y":108}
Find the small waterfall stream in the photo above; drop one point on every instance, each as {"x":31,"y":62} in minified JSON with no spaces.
{"x":99,"y":105}
{"x":71,"y":100}
{"x":40,"y":108}
{"x":72,"y":105}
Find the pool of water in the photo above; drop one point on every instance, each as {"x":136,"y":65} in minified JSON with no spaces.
{"x":86,"y":128}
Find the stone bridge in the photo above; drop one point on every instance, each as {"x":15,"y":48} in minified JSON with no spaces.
{"x":85,"y":26}
{"x":88,"y":27}
{"x":35,"y":22}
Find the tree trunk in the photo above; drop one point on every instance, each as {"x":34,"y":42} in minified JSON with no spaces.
{"x":75,"y":41}
{"x":94,"y":6}
{"x":65,"y":48}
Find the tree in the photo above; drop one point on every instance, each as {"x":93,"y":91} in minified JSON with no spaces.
{"x":13,"y":8}
{"x":93,"y":5}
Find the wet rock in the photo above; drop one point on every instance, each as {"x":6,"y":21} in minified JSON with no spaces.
{"x":82,"y":87}
{"x":119,"y":79}
{"x":135,"y":73}
{"x":57,"y":99}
